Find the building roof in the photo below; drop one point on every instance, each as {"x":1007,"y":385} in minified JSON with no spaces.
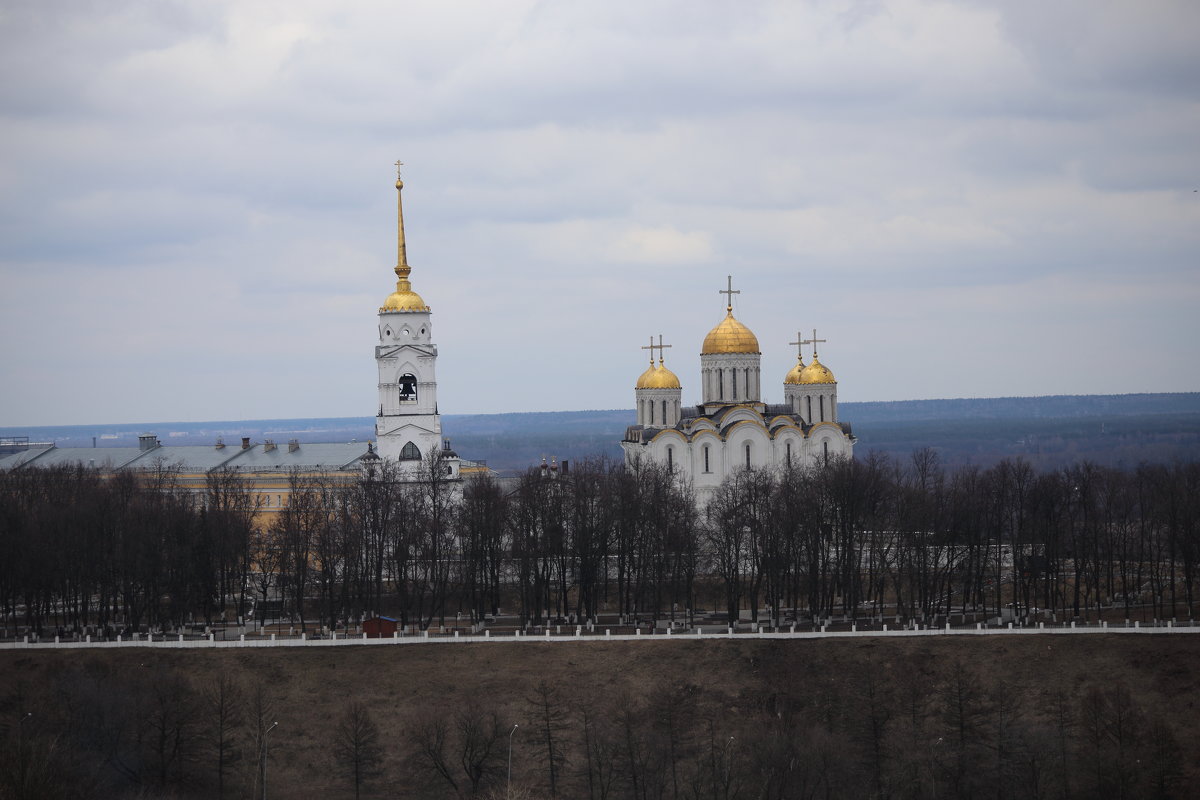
{"x":261,"y":457}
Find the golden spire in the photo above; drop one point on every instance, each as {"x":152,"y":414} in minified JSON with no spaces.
{"x":402,"y":268}
{"x":404,"y":298}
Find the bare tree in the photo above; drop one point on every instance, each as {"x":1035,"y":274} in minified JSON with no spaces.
{"x":479,"y":733}
{"x":550,"y":712}
{"x":357,"y":746}
{"x":224,"y":704}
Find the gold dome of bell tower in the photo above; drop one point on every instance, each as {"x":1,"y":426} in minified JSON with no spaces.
{"x":404,"y":298}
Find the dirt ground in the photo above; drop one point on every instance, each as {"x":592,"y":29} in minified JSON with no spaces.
{"x":731,"y":681}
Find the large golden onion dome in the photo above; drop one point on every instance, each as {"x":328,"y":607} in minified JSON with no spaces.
{"x":730,"y":336}
{"x":658,"y":378}
{"x":794,"y":375}
{"x":816,"y":372}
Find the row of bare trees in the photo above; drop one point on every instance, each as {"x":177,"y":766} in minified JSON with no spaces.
{"x":857,"y":536}
{"x":80,"y":548}
{"x":860,"y":537}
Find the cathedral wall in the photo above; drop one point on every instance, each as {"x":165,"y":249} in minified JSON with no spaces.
{"x":731,"y":377}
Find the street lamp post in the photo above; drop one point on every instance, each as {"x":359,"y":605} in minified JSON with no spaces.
{"x":264,"y":759}
{"x":21,"y":759}
{"x":508,"y":790}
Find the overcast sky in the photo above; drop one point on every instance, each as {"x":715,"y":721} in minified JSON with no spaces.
{"x":966,"y":199}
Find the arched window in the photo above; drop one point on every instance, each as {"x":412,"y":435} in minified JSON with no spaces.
{"x":822,"y":408}
{"x":706,"y":467}
{"x":789,"y":453}
{"x":410,"y":452}
{"x":825,"y":446}
{"x":670,"y":459}
{"x":408,"y":388}
{"x":809,"y":414}
{"x":664,"y":413}
{"x":747,"y":455}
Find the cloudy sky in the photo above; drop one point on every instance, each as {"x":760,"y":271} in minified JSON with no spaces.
{"x":966,"y":199}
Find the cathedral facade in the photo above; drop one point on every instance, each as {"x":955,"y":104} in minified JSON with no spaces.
{"x":733,"y":428}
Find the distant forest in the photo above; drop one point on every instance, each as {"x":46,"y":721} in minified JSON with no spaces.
{"x":1049,"y":432}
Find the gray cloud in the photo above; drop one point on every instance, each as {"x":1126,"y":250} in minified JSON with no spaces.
{"x":968,"y":199}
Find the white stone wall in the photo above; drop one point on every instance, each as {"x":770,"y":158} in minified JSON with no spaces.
{"x":658,"y":408}
{"x":731,"y":378}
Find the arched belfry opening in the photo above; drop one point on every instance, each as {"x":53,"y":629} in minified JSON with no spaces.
{"x":407,"y":384}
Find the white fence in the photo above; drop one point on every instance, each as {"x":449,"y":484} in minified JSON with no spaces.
{"x":581,"y":635}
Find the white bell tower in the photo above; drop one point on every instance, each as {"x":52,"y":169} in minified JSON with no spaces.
{"x":407,"y":424}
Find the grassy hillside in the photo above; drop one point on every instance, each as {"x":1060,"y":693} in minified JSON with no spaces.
{"x":844,"y":718}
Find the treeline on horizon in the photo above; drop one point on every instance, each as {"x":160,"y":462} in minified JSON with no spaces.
{"x":858,"y":537}
{"x":1049,"y":432}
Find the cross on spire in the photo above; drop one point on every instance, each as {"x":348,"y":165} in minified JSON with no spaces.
{"x":399,"y":164}
{"x":659,"y":347}
{"x":813,"y":341}
{"x":730,"y":292}
{"x":800,"y":342}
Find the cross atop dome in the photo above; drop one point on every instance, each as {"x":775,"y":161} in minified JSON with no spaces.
{"x":730,"y":292}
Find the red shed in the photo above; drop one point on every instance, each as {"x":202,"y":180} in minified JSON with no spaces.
{"x":379,"y":627}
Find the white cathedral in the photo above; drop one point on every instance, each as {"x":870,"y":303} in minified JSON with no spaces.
{"x":733,"y":428}
{"x":407,"y":425}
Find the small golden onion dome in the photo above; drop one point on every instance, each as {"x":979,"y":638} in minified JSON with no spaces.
{"x":730,"y":336}
{"x":816,"y":372}
{"x":404,"y":299}
{"x":793,"y":376}
{"x":658,"y":378}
